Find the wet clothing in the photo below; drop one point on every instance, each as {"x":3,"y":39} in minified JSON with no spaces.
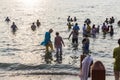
{"x":47,"y":39}
{"x":74,"y":34}
{"x":47,"y":42}
{"x":116,"y":55}
{"x":84,"y":30}
{"x":76,"y":27}
{"x":85,"y":46}
{"x":58,"y":45}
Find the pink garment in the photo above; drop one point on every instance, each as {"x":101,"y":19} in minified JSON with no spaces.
{"x":58,"y":41}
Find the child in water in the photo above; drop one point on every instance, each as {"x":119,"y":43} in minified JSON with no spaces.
{"x":58,"y":45}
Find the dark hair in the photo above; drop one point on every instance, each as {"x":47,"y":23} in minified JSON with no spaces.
{"x":119,"y":41}
{"x":57,"y":33}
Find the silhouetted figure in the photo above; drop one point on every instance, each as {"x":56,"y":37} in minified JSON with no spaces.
{"x":118,"y":23}
{"x":68,"y":19}
{"x":33,"y":27}
{"x":111,"y":31}
{"x":38,"y":23}
{"x":14,"y":27}
{"x":7,"y":19}
{"x":69,"y":25}
{"x":75,"y":19}
{"x":106,"y":21}
{"x":98,"y":29}
{"x":87,"y":21}
{"x":112,"y":20}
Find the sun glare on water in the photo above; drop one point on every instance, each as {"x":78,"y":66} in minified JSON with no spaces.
{"x":30,"y":3}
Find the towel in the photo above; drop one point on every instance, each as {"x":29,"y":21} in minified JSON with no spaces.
{"x":85,"y":67}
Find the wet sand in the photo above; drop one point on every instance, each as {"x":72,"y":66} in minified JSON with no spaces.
{"x":45,"y":77}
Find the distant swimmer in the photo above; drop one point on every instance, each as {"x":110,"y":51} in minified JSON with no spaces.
{"x":68,"y":19}
{"x":14,"y":27}
{"x":87,"y":21}
{"x":69,"y":25}
{"x":75,"y":19}
{"x":33,"y":27}
{"x":38,"y":23}
{"x":7,"y":19}
{"x":118,"y":23}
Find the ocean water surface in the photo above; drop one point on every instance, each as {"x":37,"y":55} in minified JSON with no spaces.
{"x":21,"y":53}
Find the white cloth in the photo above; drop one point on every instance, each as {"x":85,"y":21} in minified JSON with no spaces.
{"x":85,"y":67}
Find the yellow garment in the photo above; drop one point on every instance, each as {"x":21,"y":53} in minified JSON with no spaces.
{"x":47,"y":47}
{"x":116,"y":55}
{"x":88,"y":28}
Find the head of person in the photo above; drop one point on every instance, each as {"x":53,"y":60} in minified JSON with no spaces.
{"x":37,"y":20}
{"x":50,"y":30}
{"x":13,"y":23}
{"x":57,"y":33}
{"x":76,"y":24}
{"x":33,"y":23}
{"x":119,"y":41}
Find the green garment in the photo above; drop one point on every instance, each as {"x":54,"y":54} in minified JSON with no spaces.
{"x":116,"y":55}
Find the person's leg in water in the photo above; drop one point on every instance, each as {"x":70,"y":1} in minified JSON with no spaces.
{"x":48,"y":54}
{"x":76,"y":40}
{"x":57,"y":54}
{"x":61,"y":53}
{"x":47,"y":48}
{"x":51,"y":46}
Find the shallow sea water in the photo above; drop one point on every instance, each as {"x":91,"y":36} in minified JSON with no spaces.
{"x":22,"y":54}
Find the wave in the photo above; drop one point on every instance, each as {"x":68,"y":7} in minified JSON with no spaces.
{"x":18,"y":66}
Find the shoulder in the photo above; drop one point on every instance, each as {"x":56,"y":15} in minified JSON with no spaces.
{"x":116,"y":49}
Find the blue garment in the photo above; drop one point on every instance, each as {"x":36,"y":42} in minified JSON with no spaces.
{"x":47,"y":39}
{"x":86,"y":48}
{"x":76,"y":28}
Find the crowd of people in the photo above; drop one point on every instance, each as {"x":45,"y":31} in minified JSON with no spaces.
{"x":87,"y":30}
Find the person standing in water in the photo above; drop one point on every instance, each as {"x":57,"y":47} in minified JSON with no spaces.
{"x":85,"y":46}
{"x":7,"y":19}
{"x":116,"y":56}
{"x":14,"y":27}
{"x":47,"y":41}
{"x":38,"y":23}
{"x":33,"y":27}
{"x":58,"y":45}
{"x":74,"y":34}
